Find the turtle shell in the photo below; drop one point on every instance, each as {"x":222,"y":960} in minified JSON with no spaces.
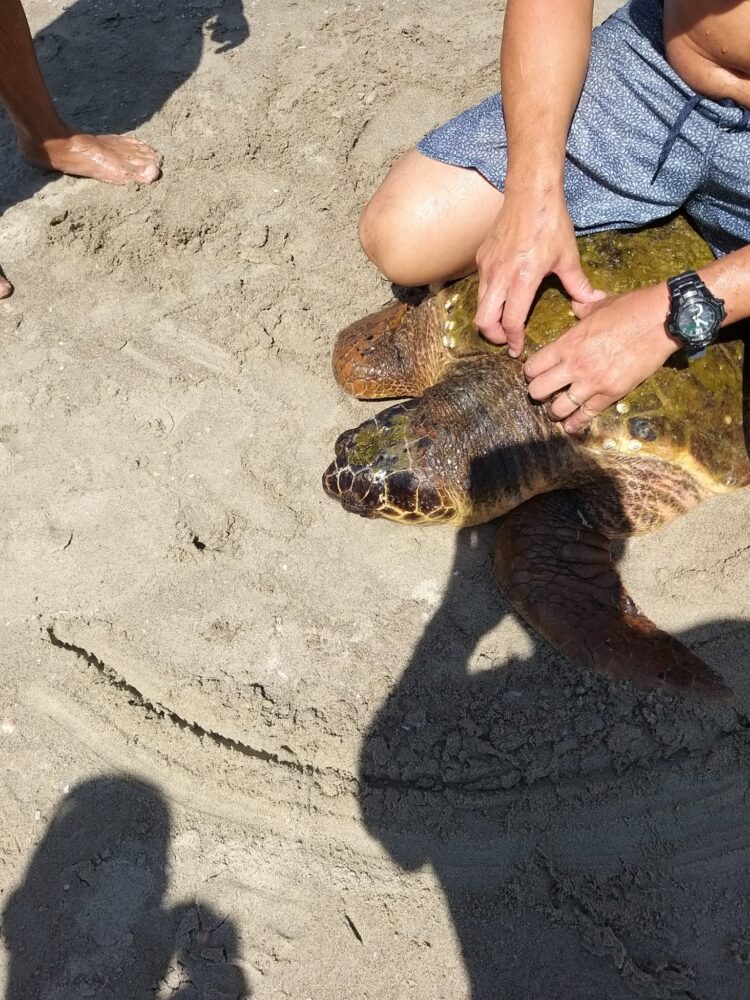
{"x":689,"y":414}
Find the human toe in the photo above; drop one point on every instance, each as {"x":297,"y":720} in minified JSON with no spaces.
{"x":145,"y":163}
{"x":146,"y":173}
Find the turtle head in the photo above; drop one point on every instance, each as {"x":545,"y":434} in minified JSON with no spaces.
{"x":380,"y":471}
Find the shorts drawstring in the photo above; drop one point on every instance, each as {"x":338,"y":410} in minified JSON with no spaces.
{"x":743,"y":123}
{"x":687,"y":109}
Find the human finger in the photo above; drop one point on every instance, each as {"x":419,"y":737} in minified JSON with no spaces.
{"x":548,"y":383}
{"x":575,"y":281}
{"x":542,"y":360}
{"x":583,"y":309}
{"x":567,"y":402}
{"x":583,"y":416}
{"x":490,"y":311}
{"x":515,"y":313}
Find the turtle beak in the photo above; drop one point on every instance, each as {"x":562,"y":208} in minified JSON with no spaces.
{"x":354,"y":486}
{"x":354,"y":489}
{"x":352,"y":505}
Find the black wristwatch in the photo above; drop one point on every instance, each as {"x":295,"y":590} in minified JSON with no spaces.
{"x":695,"y":315}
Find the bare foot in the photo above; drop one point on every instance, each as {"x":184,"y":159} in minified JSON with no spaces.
{"x":115,"y":159}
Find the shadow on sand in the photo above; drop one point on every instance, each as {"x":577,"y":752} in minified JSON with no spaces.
{"x":587,"y":837}
{"x":89,"y":918}
{"x":110,"y":65}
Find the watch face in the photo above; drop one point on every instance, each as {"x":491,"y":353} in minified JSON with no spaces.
{"x":698,"y":319}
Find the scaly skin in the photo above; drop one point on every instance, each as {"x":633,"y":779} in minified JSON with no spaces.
{"x":392,"y":354}
{"x":560,"y":577}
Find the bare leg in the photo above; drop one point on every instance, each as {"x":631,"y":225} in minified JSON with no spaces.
{"x":427,"y":220}
{"x":42,"y":137}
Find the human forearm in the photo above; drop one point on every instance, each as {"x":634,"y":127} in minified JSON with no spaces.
{"x":543,"y":62}
{"x":729,"y":279}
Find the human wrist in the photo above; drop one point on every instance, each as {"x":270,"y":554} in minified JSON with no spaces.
{"x":728,"y":282}
{"x":534,"y":185}
{"x":664,"y":341}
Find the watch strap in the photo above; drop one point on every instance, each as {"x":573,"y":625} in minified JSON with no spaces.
{"x":686,"y":281}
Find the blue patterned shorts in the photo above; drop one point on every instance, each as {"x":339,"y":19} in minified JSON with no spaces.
{"x":641,"y":144}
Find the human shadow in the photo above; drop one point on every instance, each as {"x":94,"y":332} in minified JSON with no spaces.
{"x":546,"y":801}
{"x":110,"y":65}
{"x":89,"y":920}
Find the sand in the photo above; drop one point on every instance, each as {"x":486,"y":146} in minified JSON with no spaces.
{"x":254,"y":746}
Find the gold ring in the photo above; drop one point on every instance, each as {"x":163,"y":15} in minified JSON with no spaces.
{"x":572,"y":398}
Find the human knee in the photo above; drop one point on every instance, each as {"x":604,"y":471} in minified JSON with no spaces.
{"x":368,"y":230}
{"x":378,"y":231}
{"x":388,"y":241}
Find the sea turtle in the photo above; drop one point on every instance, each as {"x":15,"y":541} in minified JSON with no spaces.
{"x":470,"y":445}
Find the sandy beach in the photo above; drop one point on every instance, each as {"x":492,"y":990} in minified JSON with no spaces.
{"x":254,"y":746}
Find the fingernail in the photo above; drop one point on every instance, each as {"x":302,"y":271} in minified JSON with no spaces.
{"x":599,"y":294}
{"x":568,"y":428}
{"x":512,"y":353}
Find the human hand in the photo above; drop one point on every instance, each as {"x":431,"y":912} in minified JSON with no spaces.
{"x":528,"y":241}
{"x":617,"y":343}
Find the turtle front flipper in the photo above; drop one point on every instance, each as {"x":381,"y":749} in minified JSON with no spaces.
{"x":559,"y":574}
{"x":394,"y":353}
